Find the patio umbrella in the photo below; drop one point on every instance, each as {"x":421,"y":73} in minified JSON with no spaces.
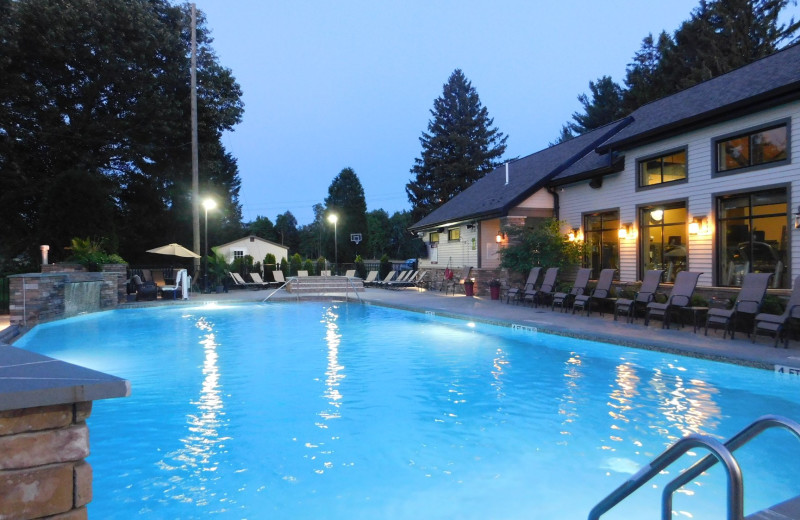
{"x":174,"y":250}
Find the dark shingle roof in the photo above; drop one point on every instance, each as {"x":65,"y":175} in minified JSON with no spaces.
{"x":490,"y":196}
{"x":771,"y":80}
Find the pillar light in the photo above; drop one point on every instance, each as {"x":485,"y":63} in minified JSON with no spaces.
{"x":499,"y":237}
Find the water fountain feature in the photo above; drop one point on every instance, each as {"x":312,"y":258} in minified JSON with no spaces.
{"x":80,"y":297}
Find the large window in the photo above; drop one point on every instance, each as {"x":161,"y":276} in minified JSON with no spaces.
{"x":662,"y":230}
{"x":753,"y":148}
{"x":752,"y":237}
{"x":601,"y":232}
{"x":662,"y":169}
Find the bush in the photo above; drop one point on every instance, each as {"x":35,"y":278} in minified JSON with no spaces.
{"x":361,"y":269}
{"x":295,"y":264}
{"x":270,"y":263}
{"x":385,"y":267}
{"x":284,"y":267}
{"x":321,"y":264}
{"x":542,"y":244}
{"x":91,"y":254}
{"x":308,"y":265}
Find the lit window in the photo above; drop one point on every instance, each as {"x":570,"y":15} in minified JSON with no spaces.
{"x":663,"y":169}
{"x":454,"y":234}
{"x":434,"y":237}
{"x":752,"y":149}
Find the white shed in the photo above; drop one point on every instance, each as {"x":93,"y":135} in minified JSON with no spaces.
{"x":254,"y":246}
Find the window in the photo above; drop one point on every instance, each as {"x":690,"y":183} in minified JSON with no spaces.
{"x":662,"y":230}
{"x":666,"y":168}
{"x":754,"y":148}
{"x":433,"y":238}
{"x":753,"y":237}
{"x":601,"y":233}
{"x":454,"y":234}
{"x":238,"y":253}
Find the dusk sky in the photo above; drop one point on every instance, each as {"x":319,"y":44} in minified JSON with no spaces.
{"x":329,"y":85}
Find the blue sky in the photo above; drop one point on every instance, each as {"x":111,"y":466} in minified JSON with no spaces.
{"x":329,"y":85}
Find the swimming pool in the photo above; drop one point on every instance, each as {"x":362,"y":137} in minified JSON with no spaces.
{"x":349,"y":411}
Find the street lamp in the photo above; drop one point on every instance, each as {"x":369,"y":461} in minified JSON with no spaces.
{"x":334,"y":219}
{"x":207,"y":204}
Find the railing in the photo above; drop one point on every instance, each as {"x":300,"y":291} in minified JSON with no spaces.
{"x":719,"y":453}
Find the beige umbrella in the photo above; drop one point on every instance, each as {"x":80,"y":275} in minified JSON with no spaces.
{"x":174,"y":250}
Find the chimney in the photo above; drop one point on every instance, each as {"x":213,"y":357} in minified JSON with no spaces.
{"x":506,"y":173}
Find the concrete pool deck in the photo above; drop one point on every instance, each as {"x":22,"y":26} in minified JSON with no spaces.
{"x":595,"y":327}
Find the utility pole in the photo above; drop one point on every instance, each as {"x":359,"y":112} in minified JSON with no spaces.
{"x":195,"y":167}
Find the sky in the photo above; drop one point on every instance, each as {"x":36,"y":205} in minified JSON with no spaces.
{"x":329,"y":85}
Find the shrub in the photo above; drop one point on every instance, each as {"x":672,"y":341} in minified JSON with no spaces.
{"x":308,"y":265}
{"x":91,"y":254}
{"x":295,"y":264}
{"x":321,"y":264}
{"x":270,"y":263}
{"x":284,"y":267}
{"x":361,"y":269}
{"x":542,"y":244}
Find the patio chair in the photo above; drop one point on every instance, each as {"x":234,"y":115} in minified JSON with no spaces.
{"x":421,"y":280}
{"x":278,"y":277}
{"x":302,"y":274}
{"x":408,"y":281}
{"x":144,"y":290}
{"x":680,"y":296}
{"x":382,"y":283}
{"x":601,"y":291}
{"x":775,"y":324}
{"x":238,"y":281}
{"x":564,"y":299}
{"x":515,"y":293}
{"x":537,"y":296}
{"x":350,"y":273}
{"x":644,"y":296}
{"x":256,"y":277}
{"x":748,"y":301}
{"x":458,"y":280}
{"x":370,"y":279}
{"x":326,"y":272}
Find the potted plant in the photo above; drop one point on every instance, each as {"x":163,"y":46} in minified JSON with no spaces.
{"x":494,"y":288}
{"x":469,"y":286}
{"x":217,"y":271}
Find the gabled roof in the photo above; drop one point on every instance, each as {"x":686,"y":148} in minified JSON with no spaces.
{"x":769,"y":81}
{"x":491,"y":197}
{"x":256,"y":238}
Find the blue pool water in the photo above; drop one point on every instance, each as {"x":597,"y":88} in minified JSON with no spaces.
{"x":318,"y":410}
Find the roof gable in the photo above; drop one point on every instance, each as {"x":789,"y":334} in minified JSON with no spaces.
{"x":247,"y":240}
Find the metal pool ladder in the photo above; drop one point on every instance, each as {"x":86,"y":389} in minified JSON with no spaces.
{"x":719,"y":453}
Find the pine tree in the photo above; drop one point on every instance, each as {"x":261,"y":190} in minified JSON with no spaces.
{"x":460,"y":147}
{"x":604,"y":107}
{"x":346,"y":199}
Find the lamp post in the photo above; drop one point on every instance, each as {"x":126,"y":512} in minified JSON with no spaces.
{"x":207,"y":204}
{"x":334,"y":219}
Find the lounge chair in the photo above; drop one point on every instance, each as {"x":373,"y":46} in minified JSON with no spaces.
{"x":458,"y":280}
{"x":644,"y":296}
{"x":775,"y":324}
{"x":679,"y":297}
{"x":239,"y":281}
{"x":748,"y":301}
{"x":564,"y":299}
{"x":350,"y":273}
{"x":144,"y":290}
{"x":302,"y":273}
{"x":601,"y":291}
{"x":256,"y":277}
{"x":537,"y":296}
{"x":421,"y":281}
{"x":381,"y":283}
{"x":515,"y":293}
{"x":278,"y":277}
{"x":409,"y":281}
{"x":370,"y":279}
{"x":326,"y":272}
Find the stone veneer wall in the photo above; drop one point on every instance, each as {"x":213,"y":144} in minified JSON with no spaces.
{"x":36,"y":298}
{"x":42,"y":470}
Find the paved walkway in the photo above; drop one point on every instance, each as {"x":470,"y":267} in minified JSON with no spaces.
{"x":595,"y":327}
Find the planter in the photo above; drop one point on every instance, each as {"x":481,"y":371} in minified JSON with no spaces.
{"x":495,"y":292}
{"x":469,"y":289}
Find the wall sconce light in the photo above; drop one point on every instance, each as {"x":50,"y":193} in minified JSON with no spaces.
{"x":698,"y":226}
{"x":499,"y":237}
{"x":624,"y":230}
{"x":575,"y":235}
{"x":797,"y":219}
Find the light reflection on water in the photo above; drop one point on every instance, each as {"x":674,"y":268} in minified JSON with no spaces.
{"x":364,"y":412}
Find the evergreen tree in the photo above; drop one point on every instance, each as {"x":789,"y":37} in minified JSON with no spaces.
{"x":604,"y":107}
{"x":378,"y":230}
{"x":286,"y":229}
{"x":644,"y":77}
{"x":459,"y":147}
{"x":346,"y":200}
{"x":264,"y":228}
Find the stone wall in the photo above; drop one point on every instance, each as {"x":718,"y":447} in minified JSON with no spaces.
{"x":43,"y":471}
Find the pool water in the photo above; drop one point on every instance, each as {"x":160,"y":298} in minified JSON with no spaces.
{"x":334,"y":411}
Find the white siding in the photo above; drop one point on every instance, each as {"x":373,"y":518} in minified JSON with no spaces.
{"x":540,"y":199}
{"x":456,"y":253}
{"x":619,"y":190}
{"x":258,"y":249}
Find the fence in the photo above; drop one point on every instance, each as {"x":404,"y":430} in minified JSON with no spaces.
{"x":4,"y":295}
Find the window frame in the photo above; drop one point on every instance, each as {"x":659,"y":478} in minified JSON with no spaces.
{"x":641,"y":254}
{"x":433,"y":237}
{"x":451,"y":232}
{"x":748,"y":132}
{"x":587,"y":233}
{"x":661,"y":155}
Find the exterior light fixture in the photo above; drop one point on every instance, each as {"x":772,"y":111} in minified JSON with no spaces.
{"x":499,"y":237}
{"x":575,"y":235}
{"x":624,"y":230}
{"x":333,"y":219}
{"x":657,"y":214}
{"x":207,"y":204}
{"x":698,"y":226}
{"x":797,"y":219}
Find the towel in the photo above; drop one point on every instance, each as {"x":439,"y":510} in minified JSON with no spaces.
{"x":182,"y":281}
